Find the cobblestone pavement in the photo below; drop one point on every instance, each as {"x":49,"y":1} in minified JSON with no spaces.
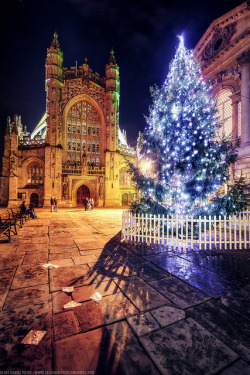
{"x":161,"y":312}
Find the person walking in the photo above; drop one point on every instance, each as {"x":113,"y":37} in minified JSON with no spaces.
{"x":52,"y":204}
{"x":55,"y":204}
{"x":85,"y":203}
{"x":91,"y":203}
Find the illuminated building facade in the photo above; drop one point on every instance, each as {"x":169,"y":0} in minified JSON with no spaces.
{"x":224,"y":54}
{"x":77,"y":150}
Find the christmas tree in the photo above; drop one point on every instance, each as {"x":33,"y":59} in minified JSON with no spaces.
{"x":189,"y":155}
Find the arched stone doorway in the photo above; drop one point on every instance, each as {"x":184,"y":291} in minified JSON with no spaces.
{"x":124,"y":199}
{"x":34,"y":199}
{"x":82,"y":192}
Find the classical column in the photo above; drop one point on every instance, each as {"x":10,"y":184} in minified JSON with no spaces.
{"x":244,"y":61}
{"x":235,"y":126}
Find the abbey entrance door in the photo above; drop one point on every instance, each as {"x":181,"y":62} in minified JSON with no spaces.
{"x":82,"y":192}
{"x":34,"y":199}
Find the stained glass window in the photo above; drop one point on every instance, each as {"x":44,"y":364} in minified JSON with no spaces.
{"x":124,"y":177}
{"x":35,"y":173}
{"x":83,"y":133}
{"x":224,"y":104}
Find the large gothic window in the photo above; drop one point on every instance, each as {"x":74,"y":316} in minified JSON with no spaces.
{"x":83,"y":134}
{"x":224,"y":104}
{"x":124,"y":177}
{"x":35,"y":173}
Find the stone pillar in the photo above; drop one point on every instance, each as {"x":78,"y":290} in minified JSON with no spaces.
{"x":235,"y":126}
{"x":244,"y":61}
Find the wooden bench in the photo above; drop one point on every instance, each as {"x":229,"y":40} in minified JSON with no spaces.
{"x":5,"y":230}
{"x":7,"y":221}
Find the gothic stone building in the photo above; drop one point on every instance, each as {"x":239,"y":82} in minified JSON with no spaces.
{"x":77,"y":149}
{"x":224,"y":54}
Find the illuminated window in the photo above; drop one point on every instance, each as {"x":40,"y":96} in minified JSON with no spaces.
{"x":35,"y":173}
{"x":83,"y":133}
{"x":224,"y":104}
{"x":239,"y":119}
{"x":124,"y":177}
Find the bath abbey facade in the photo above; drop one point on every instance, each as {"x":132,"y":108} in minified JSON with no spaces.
{"x":77,"y":150}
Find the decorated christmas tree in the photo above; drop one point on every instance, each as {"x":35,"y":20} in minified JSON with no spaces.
{"x":189,"y":155}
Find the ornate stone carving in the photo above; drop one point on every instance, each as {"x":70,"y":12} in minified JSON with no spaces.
{"x":220,"y":39}
{"x":244,"y":58}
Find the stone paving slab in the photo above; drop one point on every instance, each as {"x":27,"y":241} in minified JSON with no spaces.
{"x":108,"y":310}
{"x":8,"y":260}
{"x":180,"y":293}
{"x":21,"y":297}
{"x":226,"y":325}
{"x":14,"y":326}
{"x":88,"y":243}
{"x":110,"y":350}
{"x":83,"y":293}
{"x":141,"y":294}
{"x":85,"y":259}
{"x":143,"y":324}
{"x":27,"y":248}
{"x":183,"y":348}
{"x":141,"y":299}
{"x":35,"y":258}
{"x":65,"y":325}
{"x":69,"y":276}
{"x":238,"y":301}
{"x":167,"y":315}
{"x":6,"y":277}
{"x":59,"y":299}
{"x":27,"y":276}
{"x":238,"y":368}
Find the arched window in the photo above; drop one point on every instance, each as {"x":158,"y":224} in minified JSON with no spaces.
{"x":124,"y":177}
{"x":35,"y":173}
{"x":83,"y":128}
{"x":224,"y":105}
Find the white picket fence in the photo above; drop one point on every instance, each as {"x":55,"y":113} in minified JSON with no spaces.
{"x":186,"y":232}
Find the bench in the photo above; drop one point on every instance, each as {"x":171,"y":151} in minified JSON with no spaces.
{"x":7,"y":221}
{"x":5,"y":230}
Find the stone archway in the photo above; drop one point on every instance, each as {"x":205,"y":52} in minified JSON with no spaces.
{"x":82,"y":192}
{"x":34,"y":199}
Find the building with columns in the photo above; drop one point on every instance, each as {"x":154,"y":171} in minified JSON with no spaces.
{"x":224,"y":54}
{"x":77,"y":150}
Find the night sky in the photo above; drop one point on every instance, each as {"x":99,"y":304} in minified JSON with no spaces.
{"x":141,"y":32}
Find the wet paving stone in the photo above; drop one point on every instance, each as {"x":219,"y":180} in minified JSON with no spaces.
{"x":65,"y":324}
{"x":180,"y":293}
{"x":238,"y":368}
{"x":142,"y":324}
{"x":225,"y":324}
{"x":27,"y":276}
{"x":14,"y":326}
{"x":84,"y":259}
{"x":69,"y":276}
{"x":35,"y":258}
{"x":186,"y":347}
{"x":167,"y":315}
{"x":59,"y":299}
{"x":238,"y":301}
{"x":207,"y":281}
{"x":141,"y":294}
{"x":21,"y":297}
{"x":83,"y":293}
{"x":6,"y":277}
{"x":108,"y":310}
{"x":111,"y":350}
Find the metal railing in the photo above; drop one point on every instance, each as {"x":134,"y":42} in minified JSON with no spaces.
{"x":186,"y":232}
